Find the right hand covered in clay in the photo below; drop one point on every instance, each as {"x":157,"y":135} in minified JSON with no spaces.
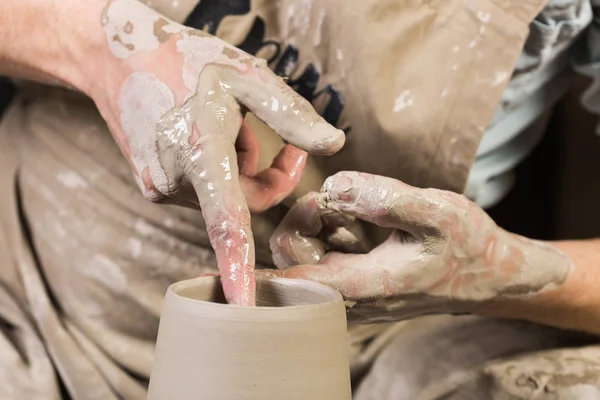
{"x":174,"y":99}
{"x":445,"y":254}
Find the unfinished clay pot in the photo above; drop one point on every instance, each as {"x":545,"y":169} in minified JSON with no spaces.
{"x":292,"y":346}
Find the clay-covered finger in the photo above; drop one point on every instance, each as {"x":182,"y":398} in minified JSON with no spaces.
{"x":214,"y":176}
{"x":269,"y":187}
{"x":291,"y":116}
{"x":390,"y":203}
{"x":295,"y":239}
{"x":247,"y":148}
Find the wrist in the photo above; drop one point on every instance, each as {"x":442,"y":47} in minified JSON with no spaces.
{"x":82,"y":60}
{"x":51,"y":41}
{"x":568,"y":302}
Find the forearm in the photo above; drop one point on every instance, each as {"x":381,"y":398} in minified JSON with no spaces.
{"x":52,"y":41}
{"x":573,"y":304}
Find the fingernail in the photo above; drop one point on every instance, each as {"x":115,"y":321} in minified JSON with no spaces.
{"x":330,"y":144}
{"x":341,"y":188}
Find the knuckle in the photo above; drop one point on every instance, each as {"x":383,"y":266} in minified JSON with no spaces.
{"x":154,"y":195}
{"x":226,"y":230}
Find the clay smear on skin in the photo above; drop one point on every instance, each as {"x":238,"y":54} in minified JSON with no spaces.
{"x":144,"y":98}
{"x":230,"y":53}
{"x":247,"y":79}
{"x":143,"y":101}
{"x":159,"y":33}
{"x":128,"y":28}
{"x":306,"y":341}
{"x":127,"y":37}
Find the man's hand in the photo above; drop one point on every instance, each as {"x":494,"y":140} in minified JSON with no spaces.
{"x":174,"y":99}
{"x":445,"y":255}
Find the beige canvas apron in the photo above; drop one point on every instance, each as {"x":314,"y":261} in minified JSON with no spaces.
{"x":85,"y":260}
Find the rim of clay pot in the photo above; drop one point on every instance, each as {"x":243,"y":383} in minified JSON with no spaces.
{"x":207,"y":292}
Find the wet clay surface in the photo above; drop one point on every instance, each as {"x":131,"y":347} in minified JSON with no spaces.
{"x":269,"y":293}
{"x":294,"y":347}
{"x":443,"y":255}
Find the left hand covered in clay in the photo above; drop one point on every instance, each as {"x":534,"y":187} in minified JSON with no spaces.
{"x":445,"y":254}
{"x":174,"y":99}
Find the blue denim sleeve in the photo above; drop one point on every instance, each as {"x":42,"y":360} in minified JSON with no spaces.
{"x":540,"y":79}
{"x":587,"y":62}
